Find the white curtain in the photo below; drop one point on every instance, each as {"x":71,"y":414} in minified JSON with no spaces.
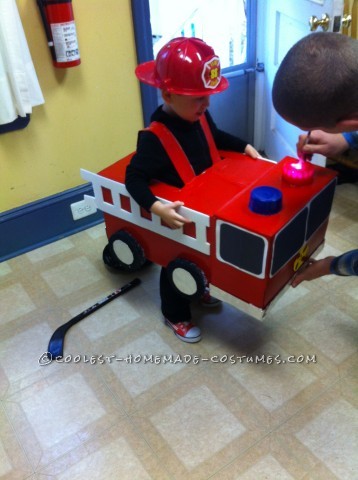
{"x":19,"y":86}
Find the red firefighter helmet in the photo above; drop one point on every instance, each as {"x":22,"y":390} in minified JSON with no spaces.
{"x":185,"y":66}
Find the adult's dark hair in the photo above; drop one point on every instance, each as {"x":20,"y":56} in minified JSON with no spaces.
{"x":316,"y":84}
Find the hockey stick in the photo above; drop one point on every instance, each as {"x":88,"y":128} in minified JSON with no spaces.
{"x":55,"y":346}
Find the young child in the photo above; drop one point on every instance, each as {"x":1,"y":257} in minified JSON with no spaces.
{"x":187,"y":72}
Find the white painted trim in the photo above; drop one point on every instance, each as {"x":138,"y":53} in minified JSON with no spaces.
{"x":202,"y":221}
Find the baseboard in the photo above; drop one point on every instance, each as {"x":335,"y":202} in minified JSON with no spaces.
{"x":44,"y":221}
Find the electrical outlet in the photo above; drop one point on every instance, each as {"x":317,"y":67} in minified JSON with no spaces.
{"x":83,"y":208}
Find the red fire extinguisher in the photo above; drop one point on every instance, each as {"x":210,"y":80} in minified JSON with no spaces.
{"x":60,"y":27}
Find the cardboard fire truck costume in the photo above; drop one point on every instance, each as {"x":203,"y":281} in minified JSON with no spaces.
{"x":244,"y":251}
{"x":254,"y":222}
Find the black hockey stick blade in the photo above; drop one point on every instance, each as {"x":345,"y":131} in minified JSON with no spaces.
{"x":55,"y":346}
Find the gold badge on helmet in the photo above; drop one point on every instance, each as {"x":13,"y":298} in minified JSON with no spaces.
{"x":211,"y":73}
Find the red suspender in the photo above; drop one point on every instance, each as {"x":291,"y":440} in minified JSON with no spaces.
{"x":215,"y":157}
{"x":175,"y":151}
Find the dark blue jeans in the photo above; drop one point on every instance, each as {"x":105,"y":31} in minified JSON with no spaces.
{"x":175,"y":307}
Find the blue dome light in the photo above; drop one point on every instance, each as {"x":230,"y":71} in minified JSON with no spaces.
{"x":265,"y":200}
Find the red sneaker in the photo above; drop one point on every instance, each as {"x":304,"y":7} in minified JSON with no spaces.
{"x":185,"y":331}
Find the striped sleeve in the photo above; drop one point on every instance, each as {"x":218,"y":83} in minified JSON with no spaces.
{"x":352,"y":139}
{"x":346,"y":264}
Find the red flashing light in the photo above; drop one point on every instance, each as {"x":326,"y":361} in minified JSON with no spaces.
{"x":298,"y":172}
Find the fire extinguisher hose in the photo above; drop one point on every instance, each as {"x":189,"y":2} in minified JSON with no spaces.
{"x":41,"y":6}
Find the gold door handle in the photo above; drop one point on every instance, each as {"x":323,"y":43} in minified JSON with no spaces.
{"x":346,"y":20}
{"x":314,"y":23}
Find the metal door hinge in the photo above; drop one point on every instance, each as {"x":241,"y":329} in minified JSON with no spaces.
{"x":260,"y":67}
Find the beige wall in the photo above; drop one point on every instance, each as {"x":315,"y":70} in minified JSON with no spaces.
{"x":91,"y":114}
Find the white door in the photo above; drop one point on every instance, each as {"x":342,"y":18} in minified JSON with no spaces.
{"x":281,"y":23}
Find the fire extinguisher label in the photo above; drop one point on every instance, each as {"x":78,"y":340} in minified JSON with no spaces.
{"x":65,"y":41}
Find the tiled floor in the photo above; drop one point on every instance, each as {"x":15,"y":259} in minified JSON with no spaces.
{"x":159,"y":413}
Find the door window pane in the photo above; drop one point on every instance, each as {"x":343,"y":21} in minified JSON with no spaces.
{"x":220,"y":23}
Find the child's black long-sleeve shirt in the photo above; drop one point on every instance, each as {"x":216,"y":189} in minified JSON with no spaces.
{"x":151,"y":162}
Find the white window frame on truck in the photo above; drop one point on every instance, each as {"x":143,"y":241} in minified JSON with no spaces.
{"x":116,"y":209}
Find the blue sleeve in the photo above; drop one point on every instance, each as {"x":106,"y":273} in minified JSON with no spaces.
{"x":346,"y":264}
{"x":352,"y":139}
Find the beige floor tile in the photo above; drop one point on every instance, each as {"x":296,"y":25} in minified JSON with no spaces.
{"x":199,"y":426}
{"x":350,"y":232}
{"x":119,"y":452}
{"x":5,"y":464}
{"x":263,"y":461}
{"x":352,"y":291}
{"x":338,"y":426}
{"x":272,"y":384}
{"x":268,"y":468}
{"x":140,"y":375}
{"x":14,"y":464}
{"x":56,"y":248}
{"x":15,"y":302}
{"x":97,"y":232}
{"x":149,"y":363}
{"x":200,"y":411}
{"x":71,"y":276}
{"x":57,"y":414}
{"x":227,"y":330}
{"x":123,"y":462}
{"x":347,"y":191}
{"x":106,"y":321}
{"x":291,"y":300}
{"x":322,"y":437}
{"x":330,"y":330}
{"x":5,"y":269}
{"x":19,"y":358}
{"x":71,"y":405}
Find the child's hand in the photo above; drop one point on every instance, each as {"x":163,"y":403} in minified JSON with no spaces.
{"x":314,"y":269}
{"x":168,"y":213}
{"x":251,"y":151}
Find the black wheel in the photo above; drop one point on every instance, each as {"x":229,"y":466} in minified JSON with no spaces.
{"x":188,"y":279}
{"x":107,"y":258}
{"x":123,"y":252}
